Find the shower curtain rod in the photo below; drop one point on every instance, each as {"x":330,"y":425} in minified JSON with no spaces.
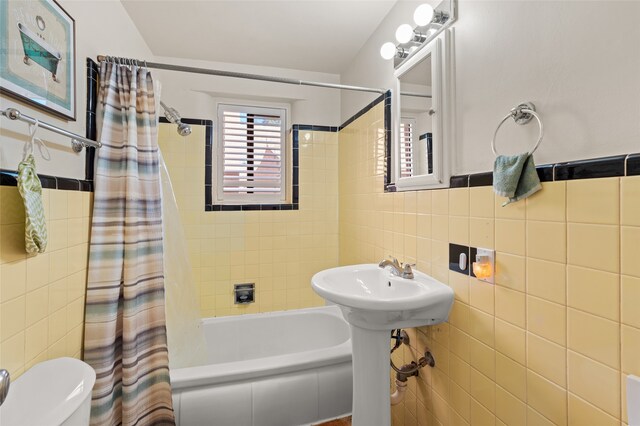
{"x":232,"y":74}
{"x":221,"y":73}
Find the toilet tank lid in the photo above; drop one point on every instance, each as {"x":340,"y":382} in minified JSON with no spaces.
{"x":48,"y":393}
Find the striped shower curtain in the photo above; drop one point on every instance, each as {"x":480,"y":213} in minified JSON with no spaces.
{"x":125,"y":335}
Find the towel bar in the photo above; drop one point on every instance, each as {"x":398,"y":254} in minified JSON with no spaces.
{"x":77,"y":141}
{"x":522,"y":114}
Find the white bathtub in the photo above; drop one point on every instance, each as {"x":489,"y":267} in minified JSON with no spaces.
{"x":282,"y":368}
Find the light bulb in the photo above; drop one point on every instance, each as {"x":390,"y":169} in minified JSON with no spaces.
{"x":423,"y":15}
{"x":404,"y":33}
{"x":388,"y":50}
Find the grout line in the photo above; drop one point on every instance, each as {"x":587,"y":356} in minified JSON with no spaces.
{"x":566,"y":293}
{"x":620,"y":414}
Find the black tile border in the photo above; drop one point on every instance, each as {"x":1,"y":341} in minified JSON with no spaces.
{"x":604,"y":167}
{"x":389,"y":186}
{"x":383,"y":97}
{"x":91,"y":131}
{"x":195,"y":121}
{"x":459,"y":181}
{"x":589,"y":169}
{"x":314,"y":128}
{"x":545,"y":173}
{"x":295,"y":161}
{"x":10,"y":178}
{"x":481,"y":179}
{"x":633,"y":165}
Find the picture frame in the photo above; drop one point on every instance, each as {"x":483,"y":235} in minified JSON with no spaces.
{"x":38,"y":55}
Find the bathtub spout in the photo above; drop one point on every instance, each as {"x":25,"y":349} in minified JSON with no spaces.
{"x":398,"y":395}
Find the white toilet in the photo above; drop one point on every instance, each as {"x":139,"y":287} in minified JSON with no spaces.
{"x":633,"y":400}
{"x":51,"y":393}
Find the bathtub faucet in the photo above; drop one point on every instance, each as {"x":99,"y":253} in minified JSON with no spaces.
{"x":397,"y":268}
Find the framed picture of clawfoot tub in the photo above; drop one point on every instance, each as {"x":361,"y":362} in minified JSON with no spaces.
{"x":38,"y":55}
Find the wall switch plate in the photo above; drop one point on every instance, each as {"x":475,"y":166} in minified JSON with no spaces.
{"x":455,"y":264}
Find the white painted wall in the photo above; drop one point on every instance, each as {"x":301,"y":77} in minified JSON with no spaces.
{"x":578,"y":61}
{"x":102,"y":27}
{"x":368,"y":68}
{"x":195,"y":95}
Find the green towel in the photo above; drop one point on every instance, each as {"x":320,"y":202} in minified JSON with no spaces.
{"x":35,"y":230}
{"x":515,"y":177}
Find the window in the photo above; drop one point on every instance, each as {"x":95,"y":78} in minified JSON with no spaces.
{"x":407,"y":128}
{"x":251,"y":163}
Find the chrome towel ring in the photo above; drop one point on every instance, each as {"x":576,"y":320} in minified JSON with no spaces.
{"x":522,"y":114}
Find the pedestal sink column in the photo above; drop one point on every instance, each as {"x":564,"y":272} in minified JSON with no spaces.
{"x":371,"y":398}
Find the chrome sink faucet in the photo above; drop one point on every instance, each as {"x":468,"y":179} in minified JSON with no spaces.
{"x":397,"y":268}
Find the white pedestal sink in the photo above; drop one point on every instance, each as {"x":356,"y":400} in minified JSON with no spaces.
{"x":374,"y":302}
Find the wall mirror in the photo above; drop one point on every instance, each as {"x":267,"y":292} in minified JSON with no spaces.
{"x":421,"y":104}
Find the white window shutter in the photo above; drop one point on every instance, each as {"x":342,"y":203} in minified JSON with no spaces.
{"x":251,"y":153}
{"x":407,"y":135}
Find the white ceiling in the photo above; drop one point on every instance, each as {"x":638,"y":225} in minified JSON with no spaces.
{"x":313,"y":35}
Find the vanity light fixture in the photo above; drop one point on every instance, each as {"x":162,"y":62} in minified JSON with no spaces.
{"x":390,"y":50}
{"x":404,"y":33}
{"x":410,"y":39}
{"x":423,"y":15}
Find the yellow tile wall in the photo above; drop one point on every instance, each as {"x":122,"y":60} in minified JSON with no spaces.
{"x":42,"y":297}
{"x":552,"y":341}
{"x":279,"y":251}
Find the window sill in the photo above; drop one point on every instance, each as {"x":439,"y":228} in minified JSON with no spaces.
{"x":249,"y":207}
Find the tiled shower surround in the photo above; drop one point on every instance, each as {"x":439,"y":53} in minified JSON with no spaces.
{"x":279,"y":251}
{"x":552,"y":341}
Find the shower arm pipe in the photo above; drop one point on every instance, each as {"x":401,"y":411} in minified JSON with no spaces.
{"x":171,"y":111}
{"x":247,"y":76}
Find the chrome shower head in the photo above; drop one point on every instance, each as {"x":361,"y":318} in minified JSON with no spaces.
{"x":184,"y":129}
{"x":174,"y":117}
